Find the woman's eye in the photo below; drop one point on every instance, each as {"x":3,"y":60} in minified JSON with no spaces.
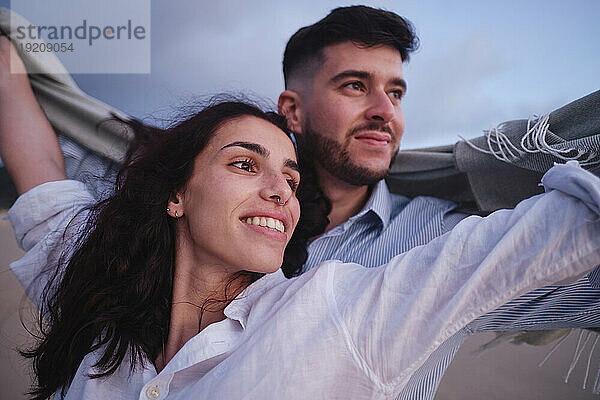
{"x":293,"y":184}
{"x":245,"y":165}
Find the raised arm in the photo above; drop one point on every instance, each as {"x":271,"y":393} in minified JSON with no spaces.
{"x":421,"y":298}
{"x":28,"y":144}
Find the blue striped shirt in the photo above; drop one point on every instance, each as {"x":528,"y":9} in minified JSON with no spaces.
{"x":390,"y":224}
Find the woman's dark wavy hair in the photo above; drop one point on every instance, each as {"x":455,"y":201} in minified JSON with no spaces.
{"x":116,"y":290}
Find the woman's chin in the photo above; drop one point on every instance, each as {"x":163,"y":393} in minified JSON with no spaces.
{"x":267,"y":266}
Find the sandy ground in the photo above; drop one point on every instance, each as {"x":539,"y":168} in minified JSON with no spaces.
{"x":505,"y":372}
{"x":511,"y":372}
{"x":14,"y":378}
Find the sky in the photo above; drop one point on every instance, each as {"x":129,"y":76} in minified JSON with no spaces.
{"x":480,"y":62}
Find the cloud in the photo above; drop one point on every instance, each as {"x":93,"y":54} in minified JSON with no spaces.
{"x":474,"y":69}
{"x":445,"y":94}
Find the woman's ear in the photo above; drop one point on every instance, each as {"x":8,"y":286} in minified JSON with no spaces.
{"x":290,"y":106}
{"x":175,"y":205}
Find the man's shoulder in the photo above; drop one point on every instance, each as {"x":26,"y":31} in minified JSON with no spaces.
{"x":424,"y":211}
{"x":399,"y":203}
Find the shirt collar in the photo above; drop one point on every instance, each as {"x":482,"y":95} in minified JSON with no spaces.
{"x":380,"y":203}
{"x":240,"y":307}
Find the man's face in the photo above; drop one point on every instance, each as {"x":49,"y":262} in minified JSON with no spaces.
{"x":353,"y":120}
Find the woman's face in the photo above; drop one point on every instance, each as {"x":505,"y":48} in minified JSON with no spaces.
{"x":232,"y":209}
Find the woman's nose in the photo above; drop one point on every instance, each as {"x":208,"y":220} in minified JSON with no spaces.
{"x":277,"y":199}
{"x":277,"y":190}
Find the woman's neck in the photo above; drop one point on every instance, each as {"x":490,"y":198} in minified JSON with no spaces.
{"x":200,"y":295}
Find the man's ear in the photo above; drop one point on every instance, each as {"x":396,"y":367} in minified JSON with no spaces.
{"x":290,"y":106}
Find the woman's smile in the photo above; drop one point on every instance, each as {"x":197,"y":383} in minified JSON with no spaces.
{"x":271,"y":223}
{"x":266,"y":226}
{"x":267,"y":222}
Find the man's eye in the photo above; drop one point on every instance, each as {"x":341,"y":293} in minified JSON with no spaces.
{"x":245,"y":165}
{"x":354,"y":85}
{"x":397,"y":94}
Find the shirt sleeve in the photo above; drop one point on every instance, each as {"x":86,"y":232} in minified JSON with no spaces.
{"x":393,"y":317}
{"x":40,"y":218}
{"x":576,"y":305}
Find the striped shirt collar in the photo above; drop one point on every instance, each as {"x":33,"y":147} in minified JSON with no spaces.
{"x":380,"y":203}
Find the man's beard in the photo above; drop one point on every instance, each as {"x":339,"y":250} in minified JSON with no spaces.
{"x":335,"y":159}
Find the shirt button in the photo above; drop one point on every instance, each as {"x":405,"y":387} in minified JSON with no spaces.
{"x":153,"y":392}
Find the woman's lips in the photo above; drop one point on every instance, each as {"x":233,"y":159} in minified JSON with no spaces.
{"x":268,"y":232}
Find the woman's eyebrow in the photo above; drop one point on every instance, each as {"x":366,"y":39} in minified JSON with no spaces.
{"x":292,"y":164}
{"x":255,"y":147}
{"x":262,"y":151}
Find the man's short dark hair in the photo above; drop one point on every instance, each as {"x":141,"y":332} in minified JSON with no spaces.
{"x":365,"y":26}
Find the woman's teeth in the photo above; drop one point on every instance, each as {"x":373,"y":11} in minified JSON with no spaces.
{"x":266,"y":222}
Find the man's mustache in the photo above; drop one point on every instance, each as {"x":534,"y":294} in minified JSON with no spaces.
{"x":372,"y":126}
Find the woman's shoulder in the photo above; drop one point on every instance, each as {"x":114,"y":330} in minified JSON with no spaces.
{"x":46,"y":208}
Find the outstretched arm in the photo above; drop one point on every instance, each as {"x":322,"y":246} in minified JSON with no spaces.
{"x":421,"y":298}
{"x":28,"y":144}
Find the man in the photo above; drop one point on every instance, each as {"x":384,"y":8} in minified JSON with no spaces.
{"x":343,"y":96}
{"x":344,"y":87}
{"x":343,"y":99}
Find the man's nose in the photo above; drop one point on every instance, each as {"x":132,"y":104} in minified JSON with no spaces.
{"x":380,"y":108}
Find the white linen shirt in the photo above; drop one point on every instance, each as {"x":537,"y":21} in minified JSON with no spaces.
{"x":342,"y":330}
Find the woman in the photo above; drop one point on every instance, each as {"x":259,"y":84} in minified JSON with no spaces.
{"x":174,"y":310}
{"x":163,"y":295}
